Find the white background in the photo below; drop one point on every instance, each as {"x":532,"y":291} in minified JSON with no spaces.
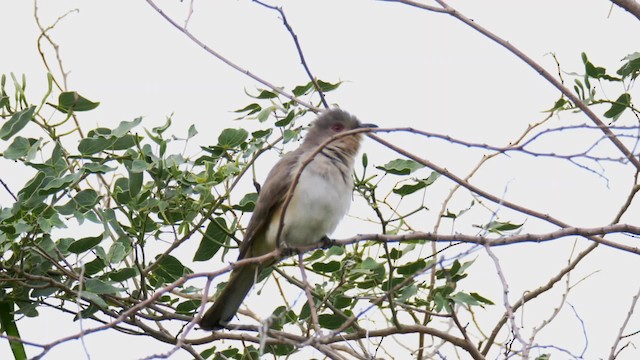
{"x":402,"y":67}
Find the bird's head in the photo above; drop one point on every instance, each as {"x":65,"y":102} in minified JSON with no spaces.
{"x":332,"y":122}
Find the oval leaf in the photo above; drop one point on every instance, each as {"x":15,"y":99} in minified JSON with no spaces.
{"x":17,"y":122}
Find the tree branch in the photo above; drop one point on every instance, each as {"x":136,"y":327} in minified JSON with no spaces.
{"x":631,"y":6}
{"x":540,"y":70}
{"x":229,"y":62}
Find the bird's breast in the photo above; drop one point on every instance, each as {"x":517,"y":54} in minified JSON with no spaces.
{"x":320,"y":200}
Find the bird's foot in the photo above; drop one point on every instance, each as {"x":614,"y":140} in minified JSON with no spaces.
{"x":326,"y":242}
{"x":289,"y":251}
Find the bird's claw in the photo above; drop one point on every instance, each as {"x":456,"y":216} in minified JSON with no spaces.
{"x":327,"y":242}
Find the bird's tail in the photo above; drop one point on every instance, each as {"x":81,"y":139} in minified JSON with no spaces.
{"x":231,"y":297}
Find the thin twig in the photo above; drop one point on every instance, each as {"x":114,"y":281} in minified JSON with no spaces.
{"x":229,"y":62}
{"x":6,"y":187}
{"x":307,"y":290}
{"x":539,"y":69}
{"x":299,"y":49}
{"x":634,"y":300}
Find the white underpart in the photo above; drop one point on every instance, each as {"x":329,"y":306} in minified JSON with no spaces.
{"x":320,"y":201}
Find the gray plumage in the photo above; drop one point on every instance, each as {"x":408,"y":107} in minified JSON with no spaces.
{"x":321,"y":198}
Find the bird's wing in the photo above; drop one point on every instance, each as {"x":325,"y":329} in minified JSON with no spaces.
{"x":270,"y":199}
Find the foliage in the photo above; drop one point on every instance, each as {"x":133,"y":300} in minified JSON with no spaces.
{"x":99,"y":224}
{"x":110,"y":224}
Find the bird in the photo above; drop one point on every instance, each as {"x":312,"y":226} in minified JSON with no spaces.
{"x":319,"y":201}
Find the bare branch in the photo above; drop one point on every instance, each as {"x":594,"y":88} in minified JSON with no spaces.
{"x":540,"y":70}
{"x":634,"y":301}
{"x":229,"y":62}
{"x":303,"y":61}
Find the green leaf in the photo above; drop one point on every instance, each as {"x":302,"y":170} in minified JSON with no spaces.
{"x":94,"y":266}
{"x":125,"y":126}
{"x":302,"y":89}
{"x":631,"y":67}
{"x":266,"y":94}
{"x":119,"y":250}
{"x":72,"y":101}
{"x":412,"y":267}
{"x":123,"y":274}
{"x":370,"y":264}
{"x":280,"y":350}
{"x":170,"y":268}
{"x":286,"y":120}
{"x":326,"y":87}
{"x":394,"y":254}
{"x":330,"y":321}
{"x":408,"y":189}
{"x":192,"y":131}
{"x":290,"y":135}
{"x":263,"y":115}
{"x":9,"y":327}
{"x":341,"y":301}
{"x":47,"y":223}
{"x":593,"y":71}
{"x":407,"y":293}
{"x":499,"y":226}
{"x":247,"y":203}
{"x":618,"y":107}
{"x":135,"y":183}
{"x":161,"y":129}
{"x":56,"y":185}
{"x":19,"y":148}
{"x":329,"y":267}
{"x":441,"y":302}
{"x":481,"y":298}
{"x":251,"y":109}
{"x":95,"y":299}
{"x":187,"y":307}
{"x":84,"y":244}
{"x":84,"y":201}
{"x":464,"y":298}
{"x":98,"y":286}
{"x":261,"y":133}
{"x":231,"y":138}
{"x":400,"y":167}
{"x":28,"y":194}
{"x":214,"y":237}
{"x":92,"y":145}
{"x":17,"y":122}
{"x":121,"y":190}
{"x":333,"y":251}
{"x":138,"y":166}
{"x":559,"y":105}
{"x":125,"y":142}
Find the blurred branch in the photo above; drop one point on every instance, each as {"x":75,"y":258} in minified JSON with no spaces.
{"x":299,"y":49}
{"x":229,"y":62}
{"x":474,"y":189}
{"x":539,"y":69}
{"x":509,"y":310}
{"x":613,"y":354}
{"x":530,"y":295}
{"x":6,"y":187}
{"x":594,"y":234}
{"x":631,"y":6}
{"x":44,"y":33}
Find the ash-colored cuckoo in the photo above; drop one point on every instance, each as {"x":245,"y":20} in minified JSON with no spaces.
{"x":319,"y":201}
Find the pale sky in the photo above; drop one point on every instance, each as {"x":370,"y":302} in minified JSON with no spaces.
{"x":401,"y":66}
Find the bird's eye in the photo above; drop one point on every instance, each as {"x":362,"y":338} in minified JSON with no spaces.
{"x":337,"y":127}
